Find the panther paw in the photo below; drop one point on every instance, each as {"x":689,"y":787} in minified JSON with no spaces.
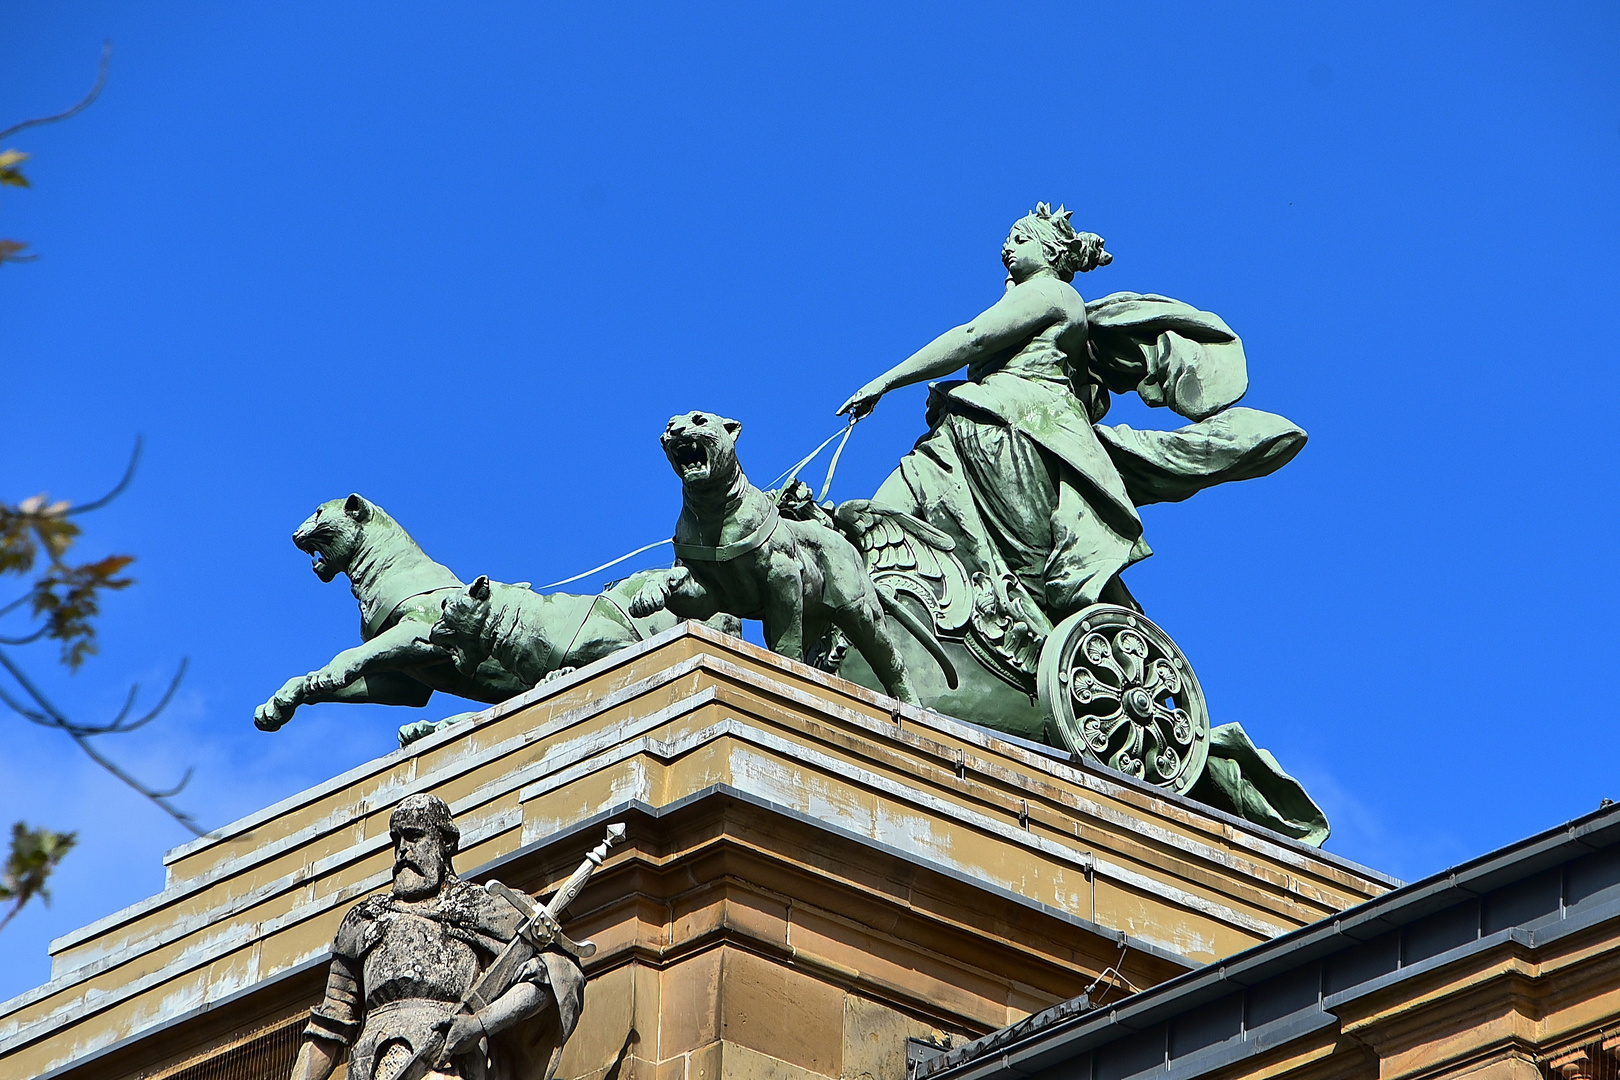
{"x":270,"y":717}
{"x":421,"y":729}
{"x":648,"y":600}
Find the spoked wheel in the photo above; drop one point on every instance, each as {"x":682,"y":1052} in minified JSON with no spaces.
{"x":1120,"y":692}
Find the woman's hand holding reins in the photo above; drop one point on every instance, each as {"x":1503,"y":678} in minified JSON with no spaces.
{"x":862,"y":401}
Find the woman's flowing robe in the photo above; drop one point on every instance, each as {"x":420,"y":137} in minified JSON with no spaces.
{"x":1040,"y":496}
{"x":1016,"y":470}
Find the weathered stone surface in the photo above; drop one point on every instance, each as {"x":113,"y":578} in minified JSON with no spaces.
{"x":875,"y":1039}
{"x":438,"y":972}
{"x":611,"y":1038}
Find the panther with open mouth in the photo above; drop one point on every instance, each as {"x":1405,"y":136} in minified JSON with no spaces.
{"x":738,"y":553}
{"x":401,"y":593}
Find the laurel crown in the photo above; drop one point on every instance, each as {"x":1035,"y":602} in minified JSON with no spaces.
{"x":1059,"y":219}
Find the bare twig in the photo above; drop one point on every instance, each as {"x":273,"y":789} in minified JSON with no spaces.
{"x":17,"y":603}
{"x":33,"y":716}
{"x":32,"y":704}
{"x":119,"y":725}
{"x":95,"y":92}
{"x":118,"y":488}
{"x":48,"y":715}
{"x":27,"y":638}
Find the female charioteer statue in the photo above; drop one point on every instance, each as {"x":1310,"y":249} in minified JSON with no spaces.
{"x":1015,"y":466}
{"x":1040,"y":498}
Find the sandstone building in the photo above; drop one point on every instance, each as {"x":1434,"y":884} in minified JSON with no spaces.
{"x":819,"y":883}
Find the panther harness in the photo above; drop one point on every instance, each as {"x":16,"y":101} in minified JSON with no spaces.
{"x":773,"y":517}
{"x":726,"y":552}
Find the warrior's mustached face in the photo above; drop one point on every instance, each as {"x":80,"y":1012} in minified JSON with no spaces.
{"x":420,"y":862}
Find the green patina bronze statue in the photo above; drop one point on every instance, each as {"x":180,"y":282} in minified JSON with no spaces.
{"x":535,"y":636}
{"x":998,"y":543}
{"x":402,"y":593}
{"x":1015,"y":466}
{"x":1039,"y":501}
{"x":737,"y":552}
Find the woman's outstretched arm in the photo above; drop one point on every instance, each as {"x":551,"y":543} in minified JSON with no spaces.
{"x":1022,"y":313}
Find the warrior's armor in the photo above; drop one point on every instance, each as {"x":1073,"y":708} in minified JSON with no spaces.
{"x":400,"y":967}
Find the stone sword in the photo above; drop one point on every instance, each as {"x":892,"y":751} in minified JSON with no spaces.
{"x":540,"y":928}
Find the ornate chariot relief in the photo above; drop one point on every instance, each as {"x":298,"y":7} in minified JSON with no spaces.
{"x":1121,"y":693}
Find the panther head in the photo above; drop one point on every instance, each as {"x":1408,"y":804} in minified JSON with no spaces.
{"x":702,"y":448}
{"x":460,"y":629}
{"x":332,"y":534}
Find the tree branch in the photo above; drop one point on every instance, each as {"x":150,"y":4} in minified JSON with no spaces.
{"x":33,"y":716}
{"x":28,"y":638}
{"x":118,"y":488}
{"x":47,"y":715}
{"x":95,"y":92}
{"x":17,"y":603}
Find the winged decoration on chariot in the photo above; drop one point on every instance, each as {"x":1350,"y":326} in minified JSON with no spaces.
{"x":907,"y":556}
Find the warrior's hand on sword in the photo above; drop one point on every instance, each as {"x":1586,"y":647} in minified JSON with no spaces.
{"x":462,"y":1033}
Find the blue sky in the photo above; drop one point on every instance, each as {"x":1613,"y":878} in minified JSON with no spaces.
{"x":467,"y":259}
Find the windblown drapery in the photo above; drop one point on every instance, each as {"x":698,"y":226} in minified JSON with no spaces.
{"x":1015,"y":468}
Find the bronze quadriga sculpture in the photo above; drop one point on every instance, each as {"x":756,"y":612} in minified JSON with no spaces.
{"x":997,"y":545}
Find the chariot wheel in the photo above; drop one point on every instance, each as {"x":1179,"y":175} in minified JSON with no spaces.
{"x":1119,"y":692}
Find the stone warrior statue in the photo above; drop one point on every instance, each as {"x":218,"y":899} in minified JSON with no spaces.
{"x":404,"y":961}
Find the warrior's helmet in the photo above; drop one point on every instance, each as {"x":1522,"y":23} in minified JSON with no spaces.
{"x":426,"y":811}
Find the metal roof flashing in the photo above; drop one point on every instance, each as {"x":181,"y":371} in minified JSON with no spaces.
{"x":1534,"y":891}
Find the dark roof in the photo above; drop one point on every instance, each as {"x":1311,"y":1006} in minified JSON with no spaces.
{"x":1532,"y":891}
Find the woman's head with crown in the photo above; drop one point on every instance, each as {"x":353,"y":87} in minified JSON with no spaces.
{"x":1046,"y":240}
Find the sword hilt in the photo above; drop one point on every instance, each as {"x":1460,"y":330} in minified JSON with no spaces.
{"x":541,"y":928}
{"x":543,"y":925}
{"x":576,"y":881}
